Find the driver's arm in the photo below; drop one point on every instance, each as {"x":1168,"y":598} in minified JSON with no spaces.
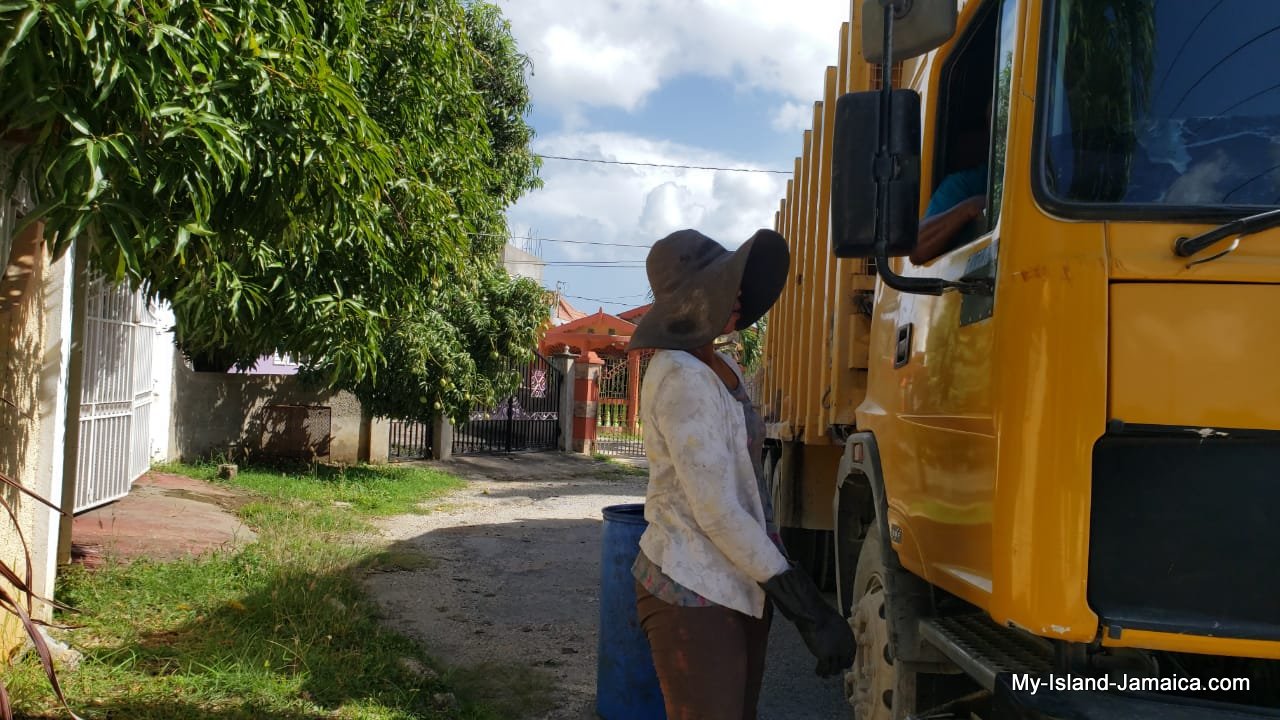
{"x":939,"y":231}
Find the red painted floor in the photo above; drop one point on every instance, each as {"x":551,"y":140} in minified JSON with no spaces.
{"x":164,"y":517}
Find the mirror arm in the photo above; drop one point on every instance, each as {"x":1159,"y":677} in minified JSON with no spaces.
{"x":886,"y":169}
{"x":931,"y":286}
{"x":886,"y":166}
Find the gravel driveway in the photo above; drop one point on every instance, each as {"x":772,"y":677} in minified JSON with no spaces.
{"x":507,"y":579}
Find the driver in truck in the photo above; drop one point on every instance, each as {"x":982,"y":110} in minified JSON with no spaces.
{"x":959,"y":200}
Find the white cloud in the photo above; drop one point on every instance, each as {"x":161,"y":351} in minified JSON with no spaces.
{"x":635,"y":205}
{"x":577,"y":66}
{"x":616,"y":55}
{"x":793,"y":117}
{"x":639,"y":203}
{"x":670,"y":205}
{"x":613,"y":54}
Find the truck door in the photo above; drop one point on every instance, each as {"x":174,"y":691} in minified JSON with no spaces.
{"x":943,"y":344}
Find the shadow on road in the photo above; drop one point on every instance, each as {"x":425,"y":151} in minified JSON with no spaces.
{"x":525,"y":591}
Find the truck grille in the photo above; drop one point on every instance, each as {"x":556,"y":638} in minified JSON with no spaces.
{"x":1184,"y":536}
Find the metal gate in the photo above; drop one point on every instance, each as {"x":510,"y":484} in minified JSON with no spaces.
{"x":618,"y":428}
{"x":527,"y":421}
{"x":410,"y":441}
{"x":115,"y":401}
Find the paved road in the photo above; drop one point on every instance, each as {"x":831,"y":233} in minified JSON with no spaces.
{"x":791,"y":689}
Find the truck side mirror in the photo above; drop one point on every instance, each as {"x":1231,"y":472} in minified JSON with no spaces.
{"x":918,"y":27}
{"x":856,"y":165}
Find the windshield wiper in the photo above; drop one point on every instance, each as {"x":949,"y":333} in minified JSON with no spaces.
{"x":1188,"y":246}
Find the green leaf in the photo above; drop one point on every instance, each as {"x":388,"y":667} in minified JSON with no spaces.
{"x":78,"y":123}
{"x":20,"y":30}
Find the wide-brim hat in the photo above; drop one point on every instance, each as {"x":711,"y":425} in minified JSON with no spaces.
{"x":695,"y":283}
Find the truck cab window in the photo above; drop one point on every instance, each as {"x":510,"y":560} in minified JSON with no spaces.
{"x":968,"y":165}
{"x":1163,"y":107}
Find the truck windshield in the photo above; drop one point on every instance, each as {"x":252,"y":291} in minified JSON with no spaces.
{"x":1162,"y":105}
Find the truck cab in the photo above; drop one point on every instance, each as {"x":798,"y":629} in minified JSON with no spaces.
{"x":1065,"y":457}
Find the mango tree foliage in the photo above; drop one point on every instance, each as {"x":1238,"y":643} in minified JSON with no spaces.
{"x":304,"y":176}
{"x":459,"y":355}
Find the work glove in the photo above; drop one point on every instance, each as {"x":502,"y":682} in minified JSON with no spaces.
{"x":828,"y":636}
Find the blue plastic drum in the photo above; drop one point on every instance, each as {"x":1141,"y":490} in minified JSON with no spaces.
{"x":626,"y":684}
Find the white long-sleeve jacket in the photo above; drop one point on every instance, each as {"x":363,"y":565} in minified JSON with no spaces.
{"x":706,"y":522}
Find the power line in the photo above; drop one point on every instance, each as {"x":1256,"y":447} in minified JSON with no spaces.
{"x":1178,"y":55}
{"x":620,"y":300}
{"x":557,"y":240}
{"x":615,"y":303}
{"x":1218,"y":64}
{"x":662,"y":165}
{"x":595,"y":242}
{"x":582,"y":263}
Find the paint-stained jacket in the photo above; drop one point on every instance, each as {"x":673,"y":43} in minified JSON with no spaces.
{"x":706,"y":522}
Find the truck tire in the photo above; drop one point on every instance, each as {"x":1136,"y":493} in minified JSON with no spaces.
{"x":878,"y":686}
{"x":871,"y":685}
{"x":814,"y":551}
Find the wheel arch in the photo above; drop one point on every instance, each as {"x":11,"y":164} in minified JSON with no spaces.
{"x":909,"y":597}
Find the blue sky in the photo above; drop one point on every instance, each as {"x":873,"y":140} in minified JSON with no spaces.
{"x":719,"y":83}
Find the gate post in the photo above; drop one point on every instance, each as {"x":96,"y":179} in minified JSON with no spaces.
{"x":586,"y":391}
{"x":441,"y":438}
{"x":379,"y":451}
{"x":633,"y":389}
{"x":564,"y":363}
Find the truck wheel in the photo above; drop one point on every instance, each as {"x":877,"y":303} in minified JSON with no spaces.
{"x":872,"y":682}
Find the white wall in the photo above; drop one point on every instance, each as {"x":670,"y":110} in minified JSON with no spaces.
{"x":53,"y":419}
{"x":163,"y":364}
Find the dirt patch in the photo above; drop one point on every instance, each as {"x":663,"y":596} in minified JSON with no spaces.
{"x":510,"y":596}
{"x":508,"y":592}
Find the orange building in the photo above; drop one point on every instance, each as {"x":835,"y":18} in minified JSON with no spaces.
{"x":601,"y":333}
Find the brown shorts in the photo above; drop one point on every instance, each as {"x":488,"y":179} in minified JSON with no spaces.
{"x":709,"y":660}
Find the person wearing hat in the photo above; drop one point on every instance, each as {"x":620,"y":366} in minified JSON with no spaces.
{"x":711,"y":566}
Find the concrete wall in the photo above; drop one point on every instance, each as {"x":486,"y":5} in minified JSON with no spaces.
{"x":230,"y":415}
{"x":520,"y":264}
{"x":22,"y":357}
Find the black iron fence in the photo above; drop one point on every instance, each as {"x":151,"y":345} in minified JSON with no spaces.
{"x":525,"y":422}
{"x":410,"y":441}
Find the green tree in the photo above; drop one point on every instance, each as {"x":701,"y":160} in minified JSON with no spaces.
{"x":315,"y":177}
{"x":460,"y":355}
{"x":452,"y":348}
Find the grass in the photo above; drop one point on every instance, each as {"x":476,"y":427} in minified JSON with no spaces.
{"x":376,"y":490}
{"x":618,"y":468}
{"x":281,"y":629}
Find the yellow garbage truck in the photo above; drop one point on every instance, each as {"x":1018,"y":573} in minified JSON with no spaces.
{"x":1023,"y":387}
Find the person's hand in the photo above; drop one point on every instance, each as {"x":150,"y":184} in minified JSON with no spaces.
{"x":831,"y":641}
{"x":974,"y":207}
{"x":827,"y":635}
